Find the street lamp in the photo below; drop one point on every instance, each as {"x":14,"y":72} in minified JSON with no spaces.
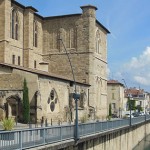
{"x":128,"y":95}
{"x":75,"y":95}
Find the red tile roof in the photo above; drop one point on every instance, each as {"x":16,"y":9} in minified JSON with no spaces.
{"x":114,"y":82}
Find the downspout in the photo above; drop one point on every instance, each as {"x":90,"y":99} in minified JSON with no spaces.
{"x":23,"y":41}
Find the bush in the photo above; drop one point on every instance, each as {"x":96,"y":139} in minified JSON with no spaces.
{"x":84,"y":119}
{"x":108,"y":117}
{"x":8,"y":124}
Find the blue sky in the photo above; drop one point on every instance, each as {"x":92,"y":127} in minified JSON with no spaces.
{"x":129,"y":41}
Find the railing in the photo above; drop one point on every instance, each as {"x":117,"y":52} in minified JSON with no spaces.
{"x":22,"y":139}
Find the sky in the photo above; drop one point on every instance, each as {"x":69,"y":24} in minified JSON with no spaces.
{"x":128,"y":44}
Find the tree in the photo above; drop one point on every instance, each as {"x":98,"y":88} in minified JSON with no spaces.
{"x":26,"y":105}
{"x":131,"y":104}
{"x":110,"y":113}
{"x":139,"y":108}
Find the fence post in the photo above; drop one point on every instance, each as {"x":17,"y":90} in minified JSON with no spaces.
{"x":44,"y":136}
{"x":61,"y":133}
{"x":20,"y":139}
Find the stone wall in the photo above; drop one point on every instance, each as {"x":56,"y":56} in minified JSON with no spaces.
{"x":123,"y":139}
{"x":78,"y":36}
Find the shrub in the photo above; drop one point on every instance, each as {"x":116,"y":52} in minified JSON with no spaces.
{"x":84,"y":119}
{"x":26,"y":105}
{"x":108,"y":117}
{"x":8,"y":124}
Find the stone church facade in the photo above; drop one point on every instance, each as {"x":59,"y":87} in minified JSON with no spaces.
{"x":34,"y":48}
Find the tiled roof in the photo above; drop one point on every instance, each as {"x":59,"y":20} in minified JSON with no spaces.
{"x":114,"y":82}
{"x":134,"y":91}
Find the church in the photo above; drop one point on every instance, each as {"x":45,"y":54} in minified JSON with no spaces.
{"x":36,"y":49}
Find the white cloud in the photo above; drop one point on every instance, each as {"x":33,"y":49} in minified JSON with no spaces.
{"x":142,"y":80}
{"x":140,"y":62}
{"x":137,"y":70}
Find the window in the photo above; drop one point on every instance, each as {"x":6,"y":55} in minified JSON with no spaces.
{"x":113,"y":105}
{"x":71,"y":35}
{"x":52,"y":100}
{"x":35,"y":34}
{"x":35,"y":64}
{"x":14,"y":25}
{"x":13,"y":59}
{"x":52,"y":95}
{"x":113,"y":96}
{"x":98,"y":42}
{"x":140,"y":103}
{"x":82,"y":100}
{"x":19,"y":60}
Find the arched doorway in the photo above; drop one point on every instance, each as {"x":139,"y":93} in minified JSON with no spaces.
{"x":12,"y":106}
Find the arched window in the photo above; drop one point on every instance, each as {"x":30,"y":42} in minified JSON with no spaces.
{"x":98,"y":42}
{"x":14,"y":24}
{"x":71,"y":38}
{"x":35,"y":34}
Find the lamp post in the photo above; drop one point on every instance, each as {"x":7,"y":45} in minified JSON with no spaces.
{"x":128,"y":95}
{"x":75,"y":96}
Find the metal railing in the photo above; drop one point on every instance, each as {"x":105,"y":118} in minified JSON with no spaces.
{"x":27,"y":138}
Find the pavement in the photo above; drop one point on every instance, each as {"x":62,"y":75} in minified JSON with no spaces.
{"x":23,"y":126}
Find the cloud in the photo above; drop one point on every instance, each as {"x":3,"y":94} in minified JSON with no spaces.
{"x":140,"y":62}
{"x":137,"y":70}
{"x":142,"y":80}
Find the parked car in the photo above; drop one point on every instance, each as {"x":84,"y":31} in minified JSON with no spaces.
{"x":136,"y":114}
{"x":142,"y":113}
{"x":114,"y":116}
{"x":128,"y":115}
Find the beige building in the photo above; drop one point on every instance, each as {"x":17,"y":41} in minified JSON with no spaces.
{"x":31,"y":48}
{"x":116,"y":98}
{"x":141,"y":98}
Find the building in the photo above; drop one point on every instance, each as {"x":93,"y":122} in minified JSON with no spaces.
{"x":116,"y":99}
{"x":31,"y":48}
{"x":140,"y":97}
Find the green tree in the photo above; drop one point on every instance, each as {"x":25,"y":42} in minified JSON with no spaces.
{"x":110,"y":113}
{"x":26,"y":105}
{"x":131,"y":104}
{"x":139,"y":108}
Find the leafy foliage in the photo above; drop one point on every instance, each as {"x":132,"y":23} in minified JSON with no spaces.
{"x":84,"y":119}
{"x":139,"y":108}
{"x":26,"y":105}
{"x":131,"y":104}
{"x":8,"y":124}
{"x":110,"y":113}
{"x":108,"y":117}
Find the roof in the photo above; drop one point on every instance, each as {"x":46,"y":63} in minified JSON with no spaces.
{"x":102,"y":26}
{"x":23,"y":7}
{"x":61,"y":16}
{"x":91,"y":6}
{"x":114,"y":82}
{"x":40,"y":72}
{"x":134,"y":91}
